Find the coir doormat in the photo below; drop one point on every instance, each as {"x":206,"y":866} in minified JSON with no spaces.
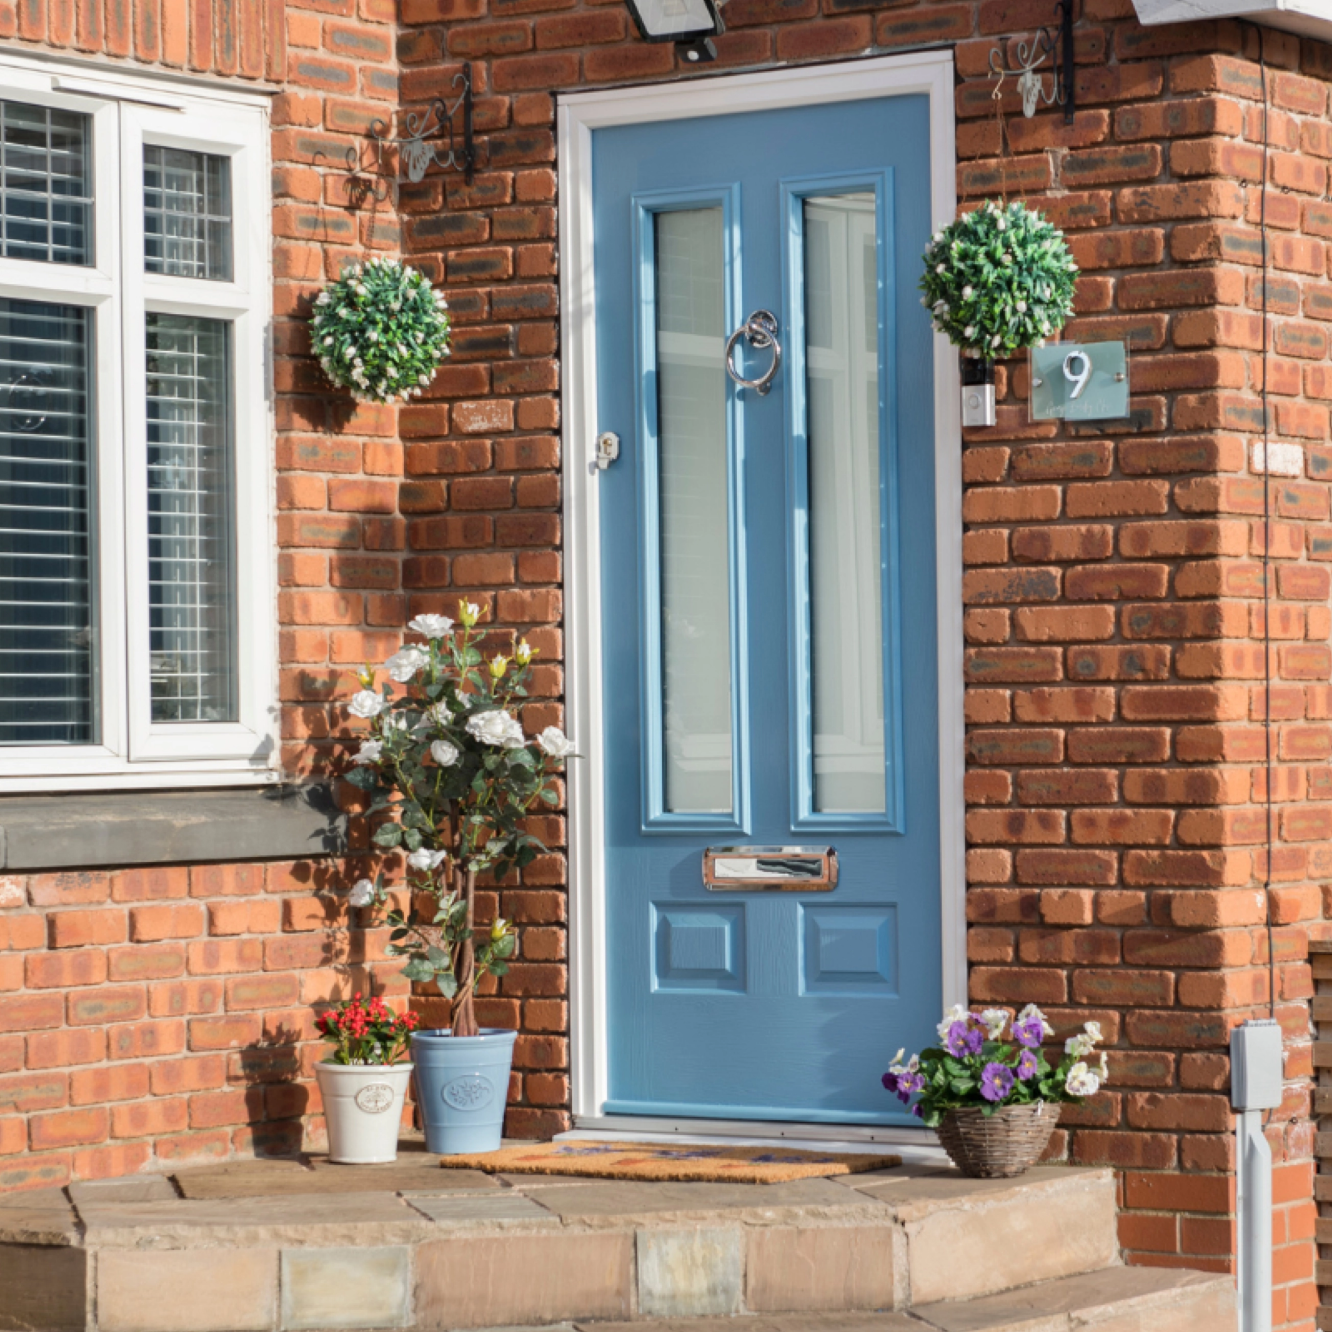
{"x":650,"y":1160}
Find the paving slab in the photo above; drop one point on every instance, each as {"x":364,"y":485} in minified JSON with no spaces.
{"x":609,"y":1201}
{"x":505,"y":1209}
{"x":415,"y":1174}
{"x":1158,"y":1299}
{"x":965,"y":1245}
{"x":43,"y":1288}
{"x":134,"y":1188}
{"x":42,"y":1216}
{"x":184,"y":1290}
{"x":789,"y":1322}
{"x":929,"y":1186}
{"x":524,"y":1182}
{"x":314,"y":1220}
{"x":241,"y":1179}
{"x":549,"y":1276}
{"x":324,"y":1289}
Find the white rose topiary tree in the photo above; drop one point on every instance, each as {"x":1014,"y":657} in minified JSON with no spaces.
{"x":451,"y":775}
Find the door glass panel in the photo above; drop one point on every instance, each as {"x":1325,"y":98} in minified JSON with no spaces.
{"x":694,"y":522}
{"x":46,"y":573}
{"x":191,"y":581}
{"x":845,"y":536}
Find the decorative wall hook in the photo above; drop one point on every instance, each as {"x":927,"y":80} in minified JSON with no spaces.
{"x":433,"y":137}
{"x":1031,"y":86}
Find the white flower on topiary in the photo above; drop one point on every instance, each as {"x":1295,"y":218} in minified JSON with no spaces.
{"x":404,"y":664}
{"x":370,"y":751}
{"x":362,"y":893}
{"x":380,"y":325}
{"x":444,"y":752}
{"x":497,"y":728}
{"x":366,"y":703}
{"x":554,"y":742}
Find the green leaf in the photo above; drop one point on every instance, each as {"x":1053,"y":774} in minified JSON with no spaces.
{"x":388,"y":834}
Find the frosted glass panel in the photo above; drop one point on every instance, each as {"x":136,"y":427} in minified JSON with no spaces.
{"x":695,"y":541}
{"x":845,"y":542}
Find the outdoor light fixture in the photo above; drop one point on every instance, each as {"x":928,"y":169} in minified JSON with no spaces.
{"x":690,"y":24}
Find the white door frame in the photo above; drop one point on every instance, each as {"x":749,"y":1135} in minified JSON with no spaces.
{"x":927,"y":72}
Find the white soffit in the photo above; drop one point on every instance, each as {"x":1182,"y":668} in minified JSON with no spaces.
{"x":1308,"y":18}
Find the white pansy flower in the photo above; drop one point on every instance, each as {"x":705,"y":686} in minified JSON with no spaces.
{"x":425,"y":860}
{"x":444,"y":752}
{"x":1030,"y":1012}
{"x":430,"y":626}
{"x":371,"y":751}
{"x":1081,"y":1081}
{"x":366,"y":703}
{"x":995,"y":1020}
{"x":955,"y":1014}
{"x":554,"y":742}
{"x":897,"y":1067}
{"x":1093,"y":1032}
{"x":1079,"y":1046}
{"x":362,"y":893}
{"x":404,"y":664}
{"x":497,"y":728}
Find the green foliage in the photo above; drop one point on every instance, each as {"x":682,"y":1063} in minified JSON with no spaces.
{"x":974,"y":1068}
{"x":380,"y":331}
{"x":998,"y":279}
{"x":451,"y":778}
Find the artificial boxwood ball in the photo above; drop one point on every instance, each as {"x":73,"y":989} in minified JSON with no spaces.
{"x":380,"y":331}
{"x":998,"y":279}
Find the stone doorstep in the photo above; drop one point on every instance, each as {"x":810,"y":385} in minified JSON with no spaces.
{"x":1118,"y":1299}
{"x":523,"y":1252}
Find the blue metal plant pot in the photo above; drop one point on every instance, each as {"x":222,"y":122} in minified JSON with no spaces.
{"x":462,"y":1085}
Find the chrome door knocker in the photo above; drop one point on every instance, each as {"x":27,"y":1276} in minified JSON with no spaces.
{"x":759,"y":330}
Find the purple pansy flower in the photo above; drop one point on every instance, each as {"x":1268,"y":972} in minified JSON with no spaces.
{"x":963,"y":1039}
{"x":890,"y":1082}
{"x":1026,"y":1066}
{"x":1029,"y":1033}
{"x":996,"y":1081}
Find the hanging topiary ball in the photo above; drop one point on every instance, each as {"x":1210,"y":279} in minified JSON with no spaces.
{"x":381,"y":331}
{"x":998,"y":279}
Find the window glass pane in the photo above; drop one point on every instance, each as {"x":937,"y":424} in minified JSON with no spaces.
{"x":46,"y":625}
{"x":191,"y":580}
{"x":695,"y":538}
{"x":186,"y":213}
{"x":845,"y":540}
{"x":45,"y":185}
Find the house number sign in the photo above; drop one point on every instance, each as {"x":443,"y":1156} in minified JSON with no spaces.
{"x":1079,"y":381}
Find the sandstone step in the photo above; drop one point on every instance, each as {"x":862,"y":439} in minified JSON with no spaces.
{"x":284,"y":1246}
{"x":1116,"y":1299}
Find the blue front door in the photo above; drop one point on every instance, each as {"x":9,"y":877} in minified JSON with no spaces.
{"x":768,"y":595}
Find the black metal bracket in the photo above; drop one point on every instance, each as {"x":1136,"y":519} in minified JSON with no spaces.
{"x":1030,"y":57}
{"x":1064,"y":8}
{"x":433,"y":138}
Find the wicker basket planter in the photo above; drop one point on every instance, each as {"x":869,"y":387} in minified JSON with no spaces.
{"x":998,"y":1146}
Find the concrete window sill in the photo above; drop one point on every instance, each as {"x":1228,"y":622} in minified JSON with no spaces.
{"x":168,"y":827}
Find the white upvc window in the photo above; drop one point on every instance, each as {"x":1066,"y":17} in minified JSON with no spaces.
{"x":137,"y":643}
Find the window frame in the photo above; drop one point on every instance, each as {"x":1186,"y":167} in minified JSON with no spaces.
{"x":126,"y":112}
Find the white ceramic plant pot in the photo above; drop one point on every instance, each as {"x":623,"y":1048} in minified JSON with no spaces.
{"x":363,"y":1110}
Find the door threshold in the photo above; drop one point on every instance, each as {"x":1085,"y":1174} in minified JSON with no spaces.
{"x":916,"y":1146}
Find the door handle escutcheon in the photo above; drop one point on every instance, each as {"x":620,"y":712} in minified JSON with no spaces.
{"x":759,"y":330}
